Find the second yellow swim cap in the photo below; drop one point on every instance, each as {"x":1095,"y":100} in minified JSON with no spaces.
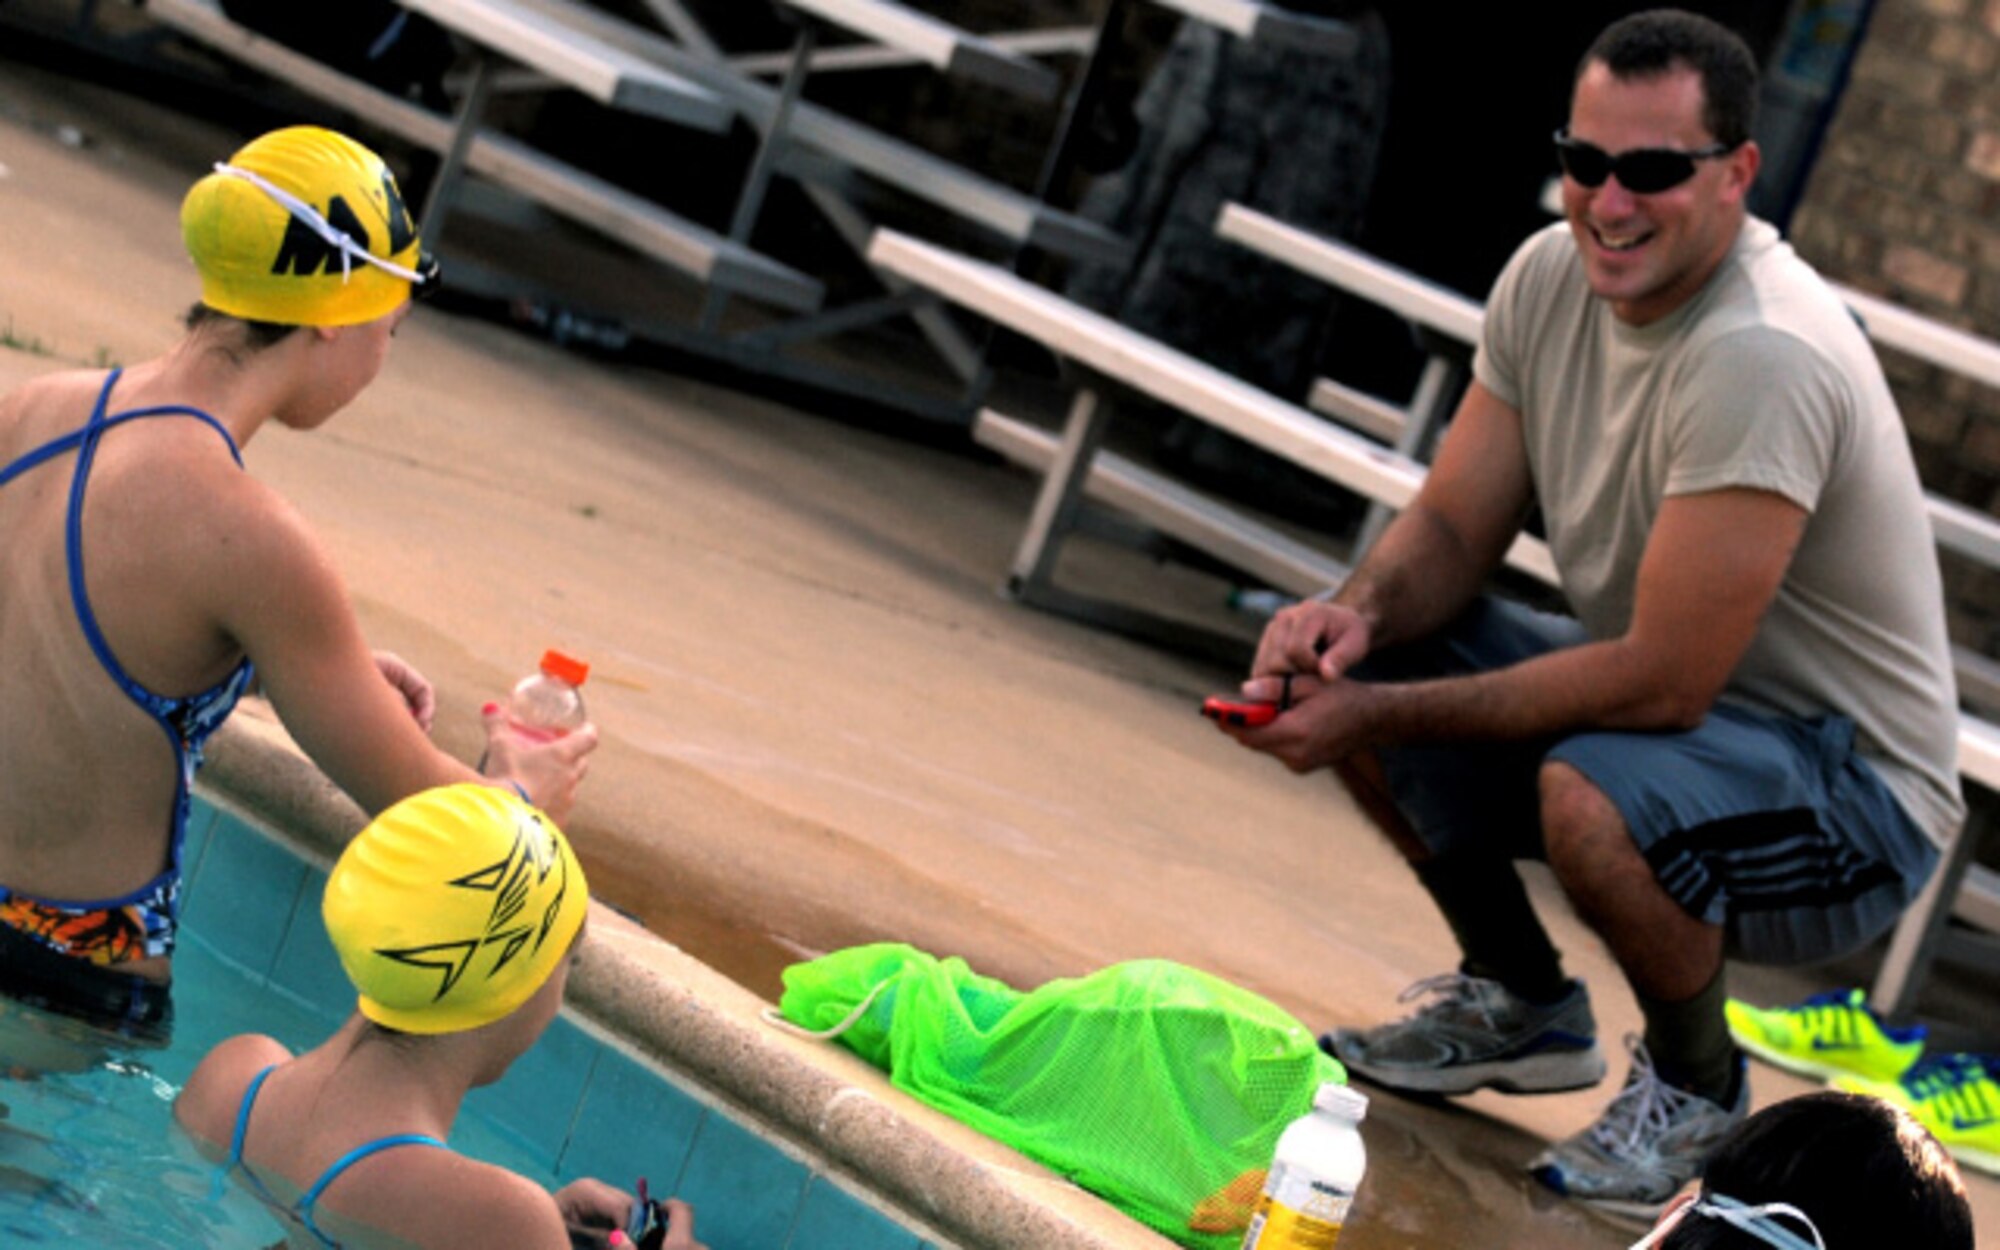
{"x":303,"y":226}
{"x":452,"y":908}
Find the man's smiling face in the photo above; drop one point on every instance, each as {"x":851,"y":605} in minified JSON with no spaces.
{"x":1648,"y":254}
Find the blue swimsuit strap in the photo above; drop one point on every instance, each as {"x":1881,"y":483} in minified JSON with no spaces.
{"x":85,"y":440}
{"x":243,"y":1116}
{"x":340,"y":1165}
{"x":348,"y":1160}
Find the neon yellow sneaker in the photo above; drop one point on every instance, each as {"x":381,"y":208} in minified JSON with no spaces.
{"x":1954,"y":1096}
{"x":1826,"y":1036}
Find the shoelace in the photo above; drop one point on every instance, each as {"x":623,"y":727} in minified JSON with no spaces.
{"x":1452,"y":989}
{"x":1646,"y":1105}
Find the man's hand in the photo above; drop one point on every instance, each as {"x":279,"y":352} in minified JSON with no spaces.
{"x":1326,"y":721}
{"x":1325,"y":639}
{"x":549,"y":771}
{"x":411,"y":685}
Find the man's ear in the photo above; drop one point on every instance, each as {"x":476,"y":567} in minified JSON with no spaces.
{"x":1742,"y":166}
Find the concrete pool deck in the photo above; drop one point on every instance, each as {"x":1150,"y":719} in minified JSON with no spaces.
{"x":822,"y":726}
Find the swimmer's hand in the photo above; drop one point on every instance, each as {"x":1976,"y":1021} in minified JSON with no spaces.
{"x":409,"y":683}
{"x":592,"y":1211}
{"x":549,"y":771}
{"x":680,"y":1227}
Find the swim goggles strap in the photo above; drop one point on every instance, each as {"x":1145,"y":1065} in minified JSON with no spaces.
{"x":1752,"y":1221}
{"x":350,"y":251}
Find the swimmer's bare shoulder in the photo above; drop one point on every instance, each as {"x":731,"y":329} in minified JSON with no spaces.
{"x":45,"y":406}
{"x":206,"y":1106}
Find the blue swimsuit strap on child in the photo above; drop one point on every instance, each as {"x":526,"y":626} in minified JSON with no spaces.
{"x":306,"y":1204}
{"x":188,"y":720}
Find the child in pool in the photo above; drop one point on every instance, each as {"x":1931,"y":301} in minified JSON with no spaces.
{"x":456,"y":914}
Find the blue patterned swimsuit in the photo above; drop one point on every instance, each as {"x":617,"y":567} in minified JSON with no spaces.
{"x":140,"y":924}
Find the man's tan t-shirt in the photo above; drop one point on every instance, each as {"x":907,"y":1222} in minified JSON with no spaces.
{"x":1762,"y":380}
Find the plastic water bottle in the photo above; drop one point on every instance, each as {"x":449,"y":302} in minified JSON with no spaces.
{"x":1313,"y":1176}
{"x":548,"y":703}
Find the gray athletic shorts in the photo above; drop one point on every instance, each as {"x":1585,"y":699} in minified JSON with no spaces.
{"x":1768,"y":825}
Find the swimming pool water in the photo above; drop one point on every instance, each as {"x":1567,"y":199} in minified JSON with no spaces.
{"x":90,"y":1156}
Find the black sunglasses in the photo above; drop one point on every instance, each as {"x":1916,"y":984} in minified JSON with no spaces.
{"x":1642,"y":171}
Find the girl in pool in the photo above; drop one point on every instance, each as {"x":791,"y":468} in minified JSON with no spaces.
{"x":456,"y":915}
{"x":143,"y":573}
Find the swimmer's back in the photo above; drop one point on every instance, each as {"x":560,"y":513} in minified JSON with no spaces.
{"x":81,"y":765}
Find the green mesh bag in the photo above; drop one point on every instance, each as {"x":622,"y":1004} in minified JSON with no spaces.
{"x":1157,"y":1087}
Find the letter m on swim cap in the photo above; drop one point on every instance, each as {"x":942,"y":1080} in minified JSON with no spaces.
{"x":304,"y":252}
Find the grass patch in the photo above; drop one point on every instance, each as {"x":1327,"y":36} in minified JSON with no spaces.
{"x":15,"y":341}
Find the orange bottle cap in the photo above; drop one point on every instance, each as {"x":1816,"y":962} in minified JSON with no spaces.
{"x":564,"y":668}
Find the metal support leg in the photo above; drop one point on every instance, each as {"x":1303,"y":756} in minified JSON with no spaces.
{"x":1057,"y":163}
{"x":951,"y":344}
{"x":1062,"y":492}
{"x":471,"y":110}
{"x":1437,"y":387}
{"x":1058,"y":513}
{"x":758,"y":181}
{"x":1921,"y":931}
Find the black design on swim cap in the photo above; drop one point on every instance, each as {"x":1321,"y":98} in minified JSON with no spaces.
{"x":303,"y":252}
{"x":402,"y":230}
{"x":449,"y":958}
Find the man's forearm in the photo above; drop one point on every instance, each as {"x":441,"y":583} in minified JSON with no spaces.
{"x":1418,"y":576}
{"x":1599,"y":685}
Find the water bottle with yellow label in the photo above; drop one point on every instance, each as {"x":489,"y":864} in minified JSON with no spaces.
{"x":1313,"y":1176}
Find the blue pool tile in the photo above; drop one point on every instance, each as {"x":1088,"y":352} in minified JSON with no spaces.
{"x":631,"y":1123}
{"x":201,"y":823}
{"x":832,"y":1219}
{"x":537,"y":1099}
{"x":243,"y":894}
{"x":745,"y":1191}
{"x":306,"y":968}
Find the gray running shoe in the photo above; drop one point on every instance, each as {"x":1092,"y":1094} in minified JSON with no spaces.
{"x":1649,"y":1142}
{"x":1476,"y":1032}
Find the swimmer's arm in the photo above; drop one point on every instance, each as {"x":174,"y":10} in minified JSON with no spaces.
{"x":276,"y":592}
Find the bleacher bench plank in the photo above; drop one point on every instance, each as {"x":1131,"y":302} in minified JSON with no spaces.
{"x":1172,"y":377}
{"x":1274,"y":558}
{"x":1016,"y":217}
{"x":640,"y":223}
{"x":607,"y":74}
{"x":939,"y":44}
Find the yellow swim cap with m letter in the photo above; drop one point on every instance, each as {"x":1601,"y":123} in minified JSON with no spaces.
{"x":303,"y":227}
{"x":452,"y":908}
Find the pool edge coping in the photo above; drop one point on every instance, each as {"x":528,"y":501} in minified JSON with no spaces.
{"x":822,"y":1101}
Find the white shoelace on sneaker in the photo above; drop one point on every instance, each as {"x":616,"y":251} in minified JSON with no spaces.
{"x":1452,"y":989}
{"x":1644,"y":1108}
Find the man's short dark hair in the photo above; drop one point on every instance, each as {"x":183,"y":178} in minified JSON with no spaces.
{"x":1658,"y":41}
{"x":1866,"y":1172}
